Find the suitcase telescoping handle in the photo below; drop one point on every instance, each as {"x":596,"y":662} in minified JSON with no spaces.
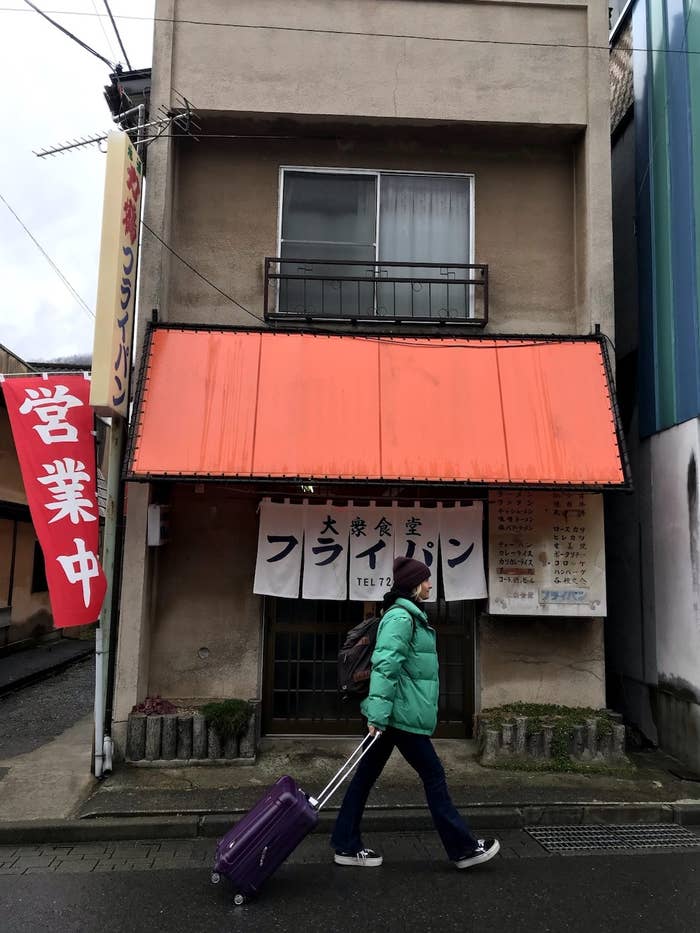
{"x":344,"y":772}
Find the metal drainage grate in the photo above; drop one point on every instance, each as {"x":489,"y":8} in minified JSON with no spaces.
{"x":627,"y":836}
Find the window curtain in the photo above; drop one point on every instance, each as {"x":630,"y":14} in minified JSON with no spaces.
{"x":423,"y":218}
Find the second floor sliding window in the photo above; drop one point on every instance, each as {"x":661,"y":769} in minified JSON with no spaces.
{"x":338,"y":228}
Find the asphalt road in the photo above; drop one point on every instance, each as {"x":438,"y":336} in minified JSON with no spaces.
{"x":550,"y":894}
{"x":35,"y":714}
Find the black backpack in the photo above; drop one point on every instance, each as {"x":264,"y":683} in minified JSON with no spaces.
{"x":355,"y":658}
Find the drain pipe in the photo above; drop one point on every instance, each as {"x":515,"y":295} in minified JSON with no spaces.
{"x":109,"y":552}
{"x":109,"y":564}
{"x":107,"y":755}
{"x":111,"y":648}
{"x":102,"y":764}
{"x":99,"y":701}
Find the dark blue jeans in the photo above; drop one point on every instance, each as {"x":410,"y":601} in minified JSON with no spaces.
{"x":419,"y":753}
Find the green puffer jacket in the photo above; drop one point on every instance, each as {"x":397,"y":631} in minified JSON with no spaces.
{"x":404,"y":686}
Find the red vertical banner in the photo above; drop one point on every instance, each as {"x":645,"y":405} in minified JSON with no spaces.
{"x":52,"y":426}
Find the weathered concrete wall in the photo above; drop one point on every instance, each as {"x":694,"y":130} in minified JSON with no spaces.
{"x":676,"y":533}
{"x":541,"y":661}
{"x":299,"y":68}
{"x":268,"y":61}
{"x":300,"y":73}
{"x":134,"y":641}
{"x":205,"y":603}
{"x":133,"y":655}
{"x":226,"y":212}
{"x":593,"y":209}
{"x":678,"y":720}
{"x":153,"y":256}
{"x":542,"y":224}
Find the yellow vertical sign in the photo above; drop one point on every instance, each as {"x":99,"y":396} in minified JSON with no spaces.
{"x":116,"y":285}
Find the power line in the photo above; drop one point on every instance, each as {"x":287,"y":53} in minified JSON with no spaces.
{"x":48,"y":258}
{"x":67,"y":33}
{"x":515,"y":342}
{"x":201,"y":274}
{"x":360,"y":34}
{"x":245,"y":26}
{"x":121,"y":44}
{"x":104,"y":31}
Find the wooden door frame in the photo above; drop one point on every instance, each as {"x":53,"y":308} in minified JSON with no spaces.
{"x":331,"y":727}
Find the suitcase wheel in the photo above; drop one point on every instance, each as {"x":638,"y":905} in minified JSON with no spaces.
{"x":238,"y":900}
{"x":215,"y":877}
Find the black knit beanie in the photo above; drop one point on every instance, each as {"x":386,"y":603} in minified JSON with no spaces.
{"x":408,"y":573}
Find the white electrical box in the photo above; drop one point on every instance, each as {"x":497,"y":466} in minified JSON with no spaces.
{"x":157,"y":525}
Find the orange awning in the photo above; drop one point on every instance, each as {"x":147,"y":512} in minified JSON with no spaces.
{"x":293,"y":406}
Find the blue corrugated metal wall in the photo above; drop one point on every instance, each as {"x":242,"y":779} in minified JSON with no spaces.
{"x":666,"y":61}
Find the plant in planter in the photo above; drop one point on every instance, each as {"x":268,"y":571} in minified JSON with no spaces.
{"x":545,"y":737}
{"x":155,"y":706}
{"x":229,"y":719}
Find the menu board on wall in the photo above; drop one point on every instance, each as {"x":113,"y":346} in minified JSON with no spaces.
{"x":546,"y":553}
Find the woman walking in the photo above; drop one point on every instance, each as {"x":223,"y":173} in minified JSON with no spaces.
{"x":402,"y":706}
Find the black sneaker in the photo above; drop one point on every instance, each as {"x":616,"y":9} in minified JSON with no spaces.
{"x":485,"y":851}
{"x":365,"y":858}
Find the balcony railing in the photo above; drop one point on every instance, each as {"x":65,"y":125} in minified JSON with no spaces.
{"x":352,"y":290}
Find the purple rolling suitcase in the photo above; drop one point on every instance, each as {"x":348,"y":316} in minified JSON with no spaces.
{"x":257,"y":845}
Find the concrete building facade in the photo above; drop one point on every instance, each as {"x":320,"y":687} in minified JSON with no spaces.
{"x":509,"y":99}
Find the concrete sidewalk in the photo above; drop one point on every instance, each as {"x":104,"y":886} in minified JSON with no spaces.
{"x":484,"y":794}
{"x":49,"y":794}
{"x":26,"y":665}
{"x":48,"y":783}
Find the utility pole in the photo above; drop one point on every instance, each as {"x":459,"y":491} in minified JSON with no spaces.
{"x":103,"y":746}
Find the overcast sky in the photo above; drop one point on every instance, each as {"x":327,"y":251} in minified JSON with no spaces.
{"x":54,"y":92}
